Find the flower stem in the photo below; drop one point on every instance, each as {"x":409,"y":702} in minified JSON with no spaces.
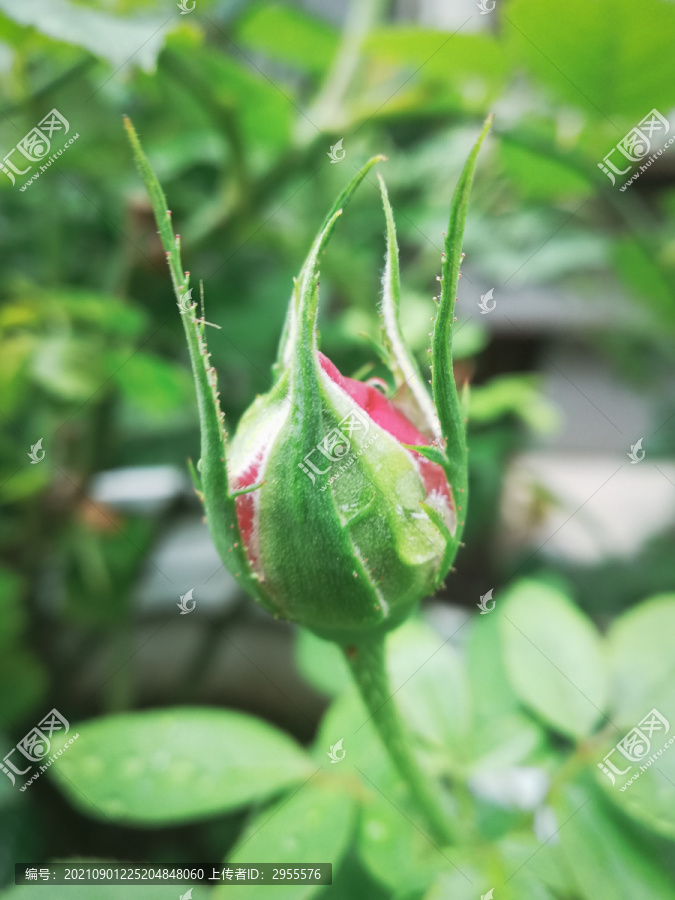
{"x":368,"y":664}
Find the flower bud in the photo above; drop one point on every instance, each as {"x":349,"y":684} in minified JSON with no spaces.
{"x":334,"y":506}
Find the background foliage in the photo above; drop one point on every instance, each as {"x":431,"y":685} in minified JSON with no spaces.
{"x":238,"y":105}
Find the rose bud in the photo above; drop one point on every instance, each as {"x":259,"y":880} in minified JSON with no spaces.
{"x":337,"y":507}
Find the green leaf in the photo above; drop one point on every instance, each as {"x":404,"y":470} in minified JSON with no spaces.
{"x":396,"y":852}
{"x":619,"y":865}
{"x":642,"y":666}
{"x":554,"y":658}
{"x":23,"y":684}
{"x":12,"y":613}
{"x":149,"y":382}
{"x":321,"y":663}
{"x":313,"y":824}
{"x":69,"y":368}
{"x":115,"y":39}
{"x":518,"y":395}
{"x":477,"y":62}
{"x":579,"y":47}
{"x":541,"y":177}
{"x":175,"y":765}
{"x":282,"y":32}
{"x":650,"y":799}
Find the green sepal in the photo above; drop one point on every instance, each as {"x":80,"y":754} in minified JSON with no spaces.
{"x":249,"y":489}
{"x":446,"y":399}
{"x":418,"y":407}
{"x":430,"y":452}
{"x":219,"y":504}
{"x":326,"y":229}
{"x":194,"y":477}
{"x":451,"y":542}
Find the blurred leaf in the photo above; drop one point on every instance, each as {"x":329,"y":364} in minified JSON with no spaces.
{"x":392,"y":847}
{"x":288,"y":34}
{"x":24,"y":481}
{"x":643,"y":275}
{"x":553,"y":657}
{"x":68,"y":368}
{"x":540,"y":177}
{"x":23,"y":682}
{"x":619,"y":865}
{"x":150,"y":382}
{"x":176,"y":765}
{"x":650,"y":799}
{"x":431,"y":687}
{"x":600,"y":56}
{"x":321,"y":663}
{"x":518,"y":395}
{"x":113,"y":38}
{"x":263,"y":114}
{"x":102,"y":312}
{"x":313,"y":824}
{"x":448,"y":70}
{"x":12,"y":615}
{"x":539,"y":871}
{"x":642,"y":667}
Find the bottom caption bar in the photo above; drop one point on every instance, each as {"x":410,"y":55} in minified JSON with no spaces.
{"x":98,"y":873}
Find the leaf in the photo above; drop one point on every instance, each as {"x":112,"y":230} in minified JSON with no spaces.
{"x":541,"y":177}
{"x":150,"y":382}
{"x":115,"y":39}
{"x":396,"y":852}
{"x":12,"y":613}
{"x":554,"y":658}
{"x":518,"y":395}
{"x":650,"y":799}
{"x":69,"y":368}
{"x":313,"y":824}
{"x":577,"y":48}
{"x":176,"y":765}
{"x":477,"y":63}
{"x":321,"y":663}
{"x":642,"y":667}
{"x":282,"y":32}
{"x":23,"y":683}
{"x":620,"y":865}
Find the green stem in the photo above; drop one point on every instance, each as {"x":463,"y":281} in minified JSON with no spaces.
{"x":368,"y":665}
